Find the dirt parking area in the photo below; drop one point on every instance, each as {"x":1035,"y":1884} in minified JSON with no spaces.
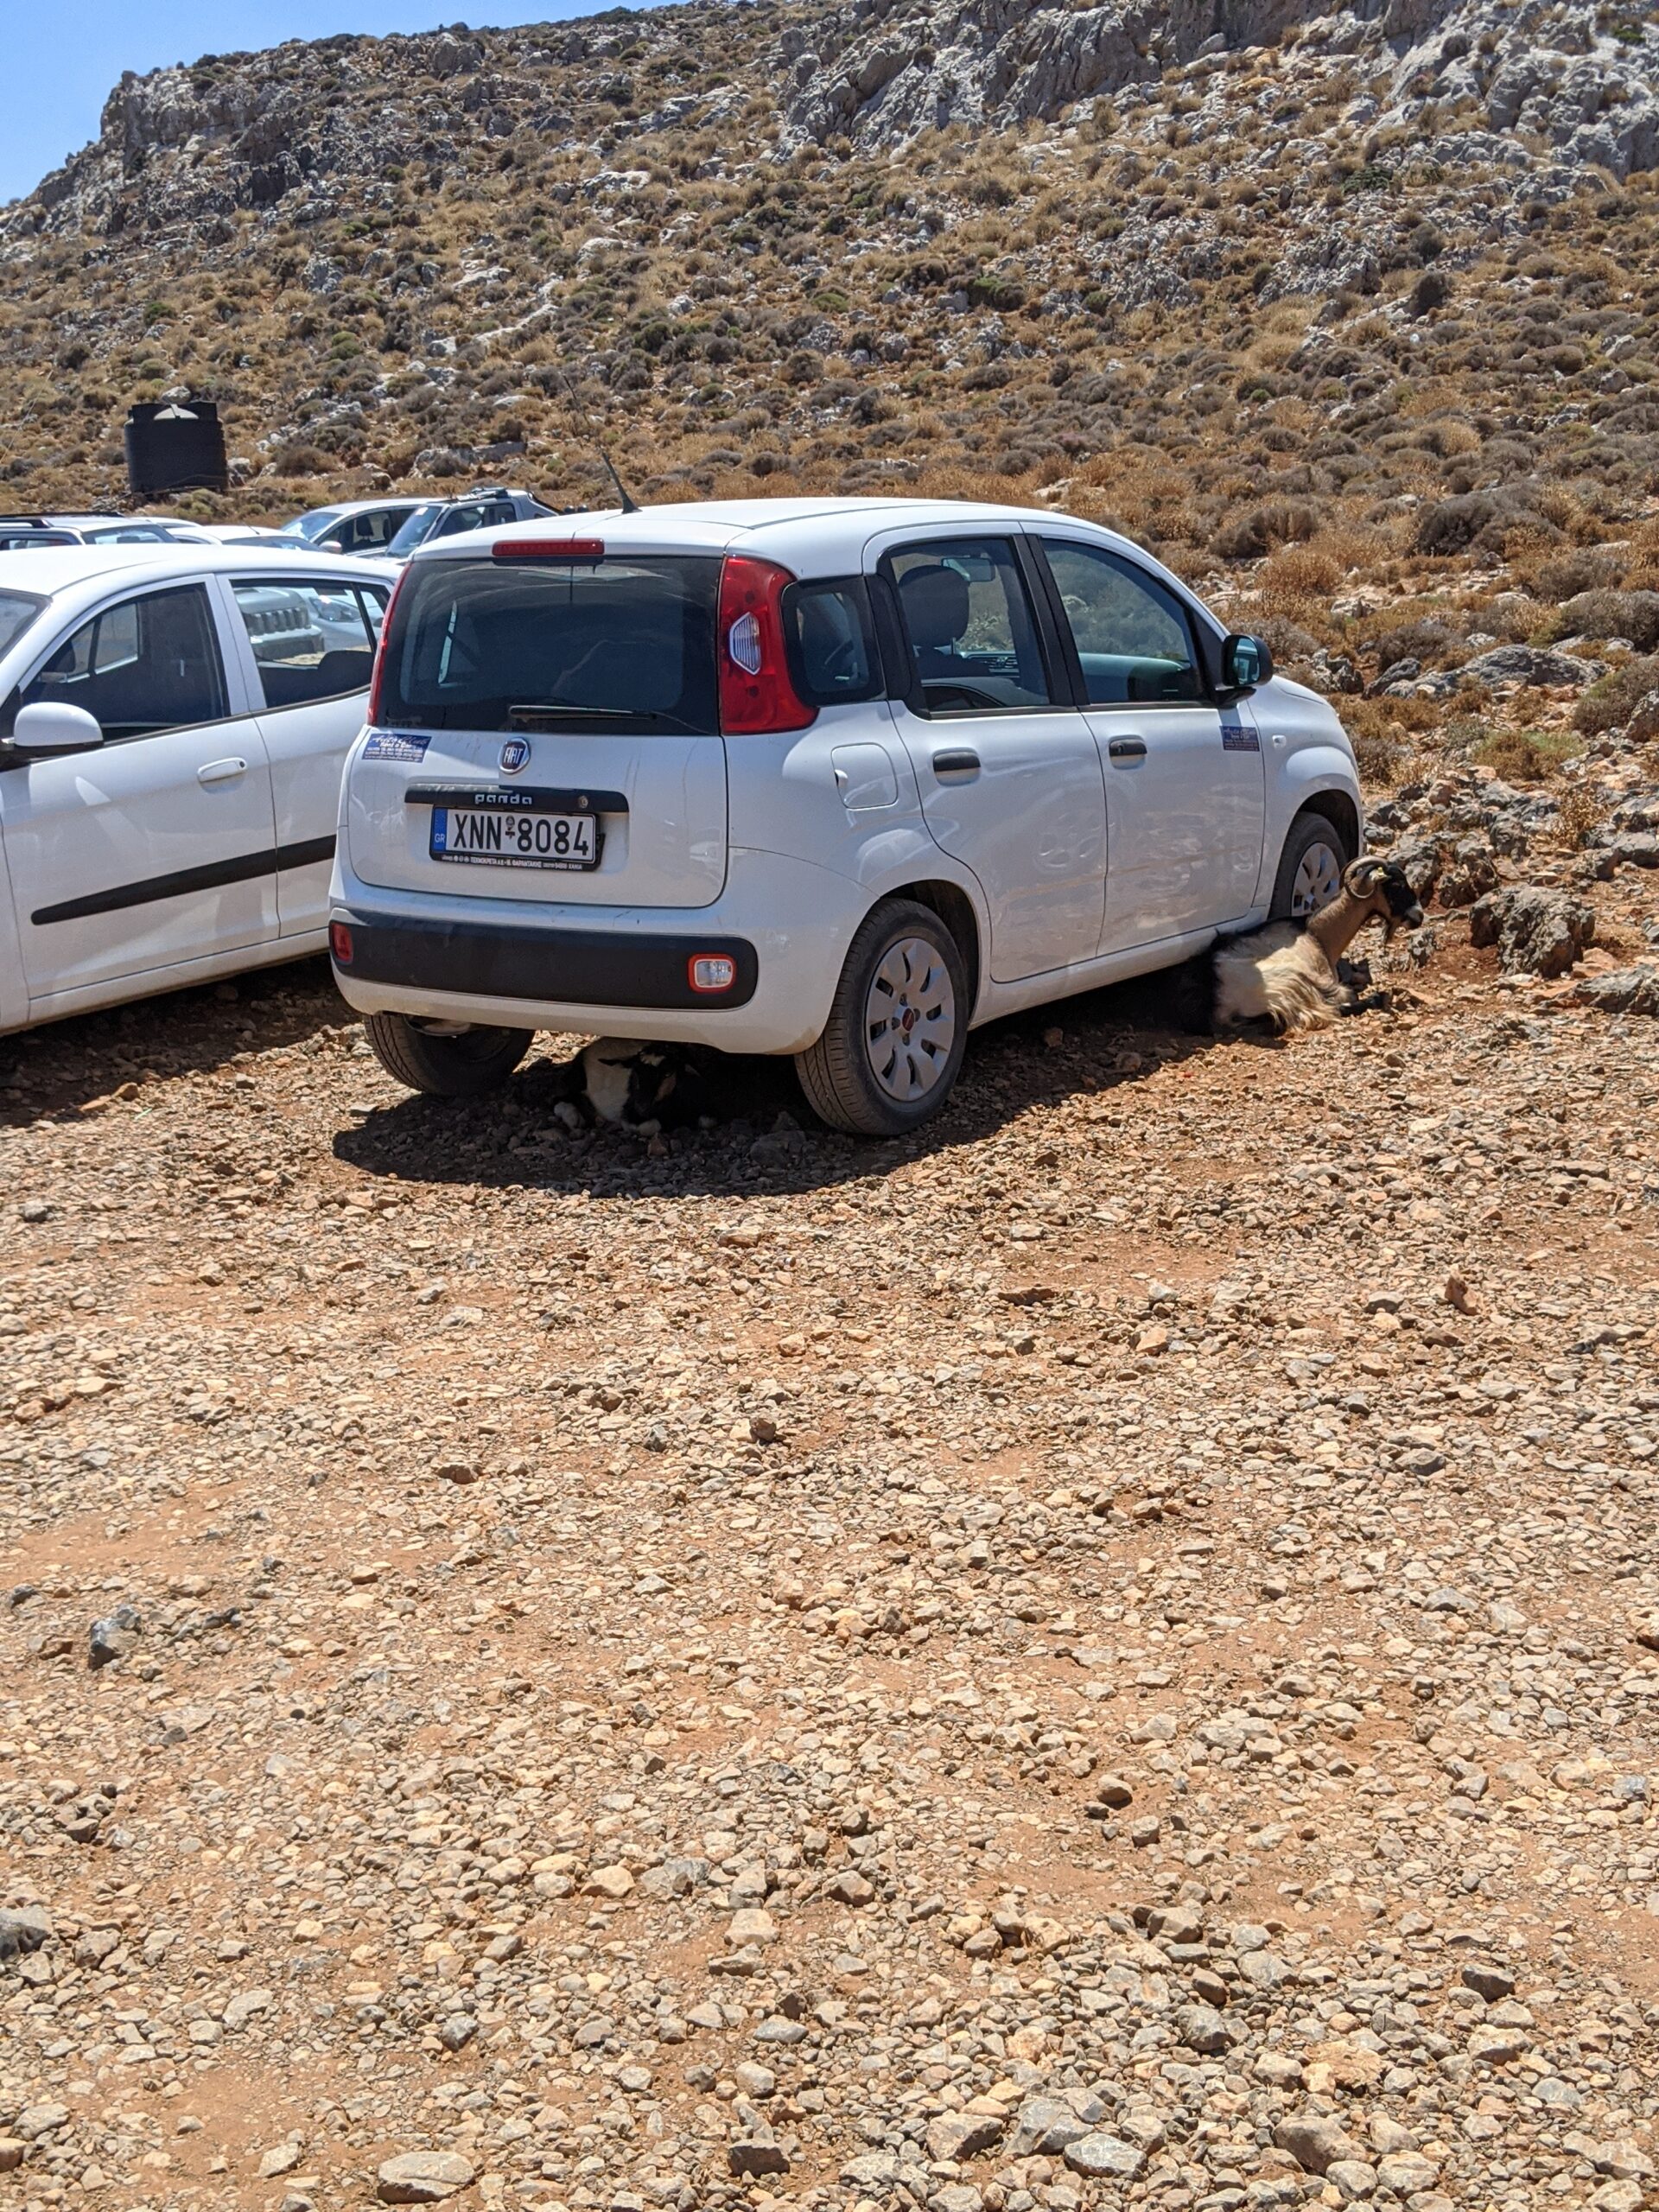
{"x":1106,"y":1653}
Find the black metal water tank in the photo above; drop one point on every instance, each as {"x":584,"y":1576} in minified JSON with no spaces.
{"x":176,"y":447}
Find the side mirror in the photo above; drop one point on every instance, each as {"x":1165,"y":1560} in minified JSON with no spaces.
{"x":53,"y":726}
{"x":1245,"y":662}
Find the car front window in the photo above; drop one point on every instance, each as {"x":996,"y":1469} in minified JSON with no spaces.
{"x":1134,"y":643}
{"x":413,"y":530}
{"x":18,"y":610}
{"x":146,"y":664}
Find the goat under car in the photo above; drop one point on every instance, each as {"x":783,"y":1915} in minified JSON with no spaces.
{"x":1286,"y":974}
{"x":642,"y":1087}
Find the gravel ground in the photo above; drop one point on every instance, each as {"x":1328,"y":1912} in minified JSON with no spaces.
{"x":1104,"y":1654}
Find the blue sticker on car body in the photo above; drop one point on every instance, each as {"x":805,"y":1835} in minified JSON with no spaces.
{"x":395,"y":745}
{"x":1236,"y":737}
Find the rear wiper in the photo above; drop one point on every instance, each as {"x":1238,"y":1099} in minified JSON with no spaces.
{"x":535,"y":714}
{"x":553,"y":710}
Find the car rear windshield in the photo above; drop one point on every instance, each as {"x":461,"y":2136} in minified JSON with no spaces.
{"x":624,"y":643}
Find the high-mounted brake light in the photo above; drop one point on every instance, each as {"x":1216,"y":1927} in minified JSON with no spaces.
{"x":756,"y":691}
{"x":550,"y":549}
{"x":380,"y":649}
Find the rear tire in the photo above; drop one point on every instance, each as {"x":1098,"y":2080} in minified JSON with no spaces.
{"x":446,"y":1063}
{"x":1310,"y":868}
{"x":892,"y":1048}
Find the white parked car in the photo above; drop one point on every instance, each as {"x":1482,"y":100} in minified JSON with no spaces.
{"x":353,"y":525}
{"x":173,"y":720}
{"x":834,"y":778}
{"x":33,"y":533}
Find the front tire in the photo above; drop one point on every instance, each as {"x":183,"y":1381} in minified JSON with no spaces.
{"x":892,"y":1048}
{"x":1310,"y":868}
{"x":459,"y":1061}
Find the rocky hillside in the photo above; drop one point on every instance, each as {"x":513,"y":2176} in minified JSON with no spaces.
{"x":1351,"y":315}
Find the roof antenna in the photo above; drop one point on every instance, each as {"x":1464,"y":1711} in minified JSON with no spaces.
{"x":629,"y":504}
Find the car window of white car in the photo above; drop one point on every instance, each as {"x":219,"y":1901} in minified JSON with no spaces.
{"x":146,"y":664}
{"x":971,"y":633}
{"x":1134,"y":644}
{"x":476,"y":515}
{"x":310,"y":640}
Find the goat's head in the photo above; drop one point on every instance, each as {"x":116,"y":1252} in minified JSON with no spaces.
{"x":1384,"y":889}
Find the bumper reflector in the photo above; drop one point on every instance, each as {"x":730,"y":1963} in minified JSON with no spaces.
{"x":711,"y":971}
{"x":340,"y":943}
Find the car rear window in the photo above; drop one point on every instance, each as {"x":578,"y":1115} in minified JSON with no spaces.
{"x":525,"y":644}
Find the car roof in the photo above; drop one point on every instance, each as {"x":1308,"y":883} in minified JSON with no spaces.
{"x":342,"y":508}
{"x":822,"y":537}
{"x":55,"y":571}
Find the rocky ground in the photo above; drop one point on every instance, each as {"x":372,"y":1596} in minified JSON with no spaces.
{"x":1103,"y":1655}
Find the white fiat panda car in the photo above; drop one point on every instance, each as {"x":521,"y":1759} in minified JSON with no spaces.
{"x":834,"y":778}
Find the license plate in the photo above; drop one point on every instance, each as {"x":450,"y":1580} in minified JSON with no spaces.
{"x":516,"y":839}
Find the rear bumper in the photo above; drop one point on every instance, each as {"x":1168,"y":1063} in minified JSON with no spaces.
{"x":609,"y":971}
{"x":567,"y":967}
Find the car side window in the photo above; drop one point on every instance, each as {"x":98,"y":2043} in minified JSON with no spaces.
{"x":310,"y":640}
{"x":146,"y":664}
{"x":968,"y":623}
{"x":1134,"y":643}
{"x":475,"y":516}
{"x":831,"y":642}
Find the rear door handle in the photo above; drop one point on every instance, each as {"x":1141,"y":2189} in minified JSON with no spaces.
{"x":1127,"y":748}
{"x":961,"y":760}
{"x":221,"y":772}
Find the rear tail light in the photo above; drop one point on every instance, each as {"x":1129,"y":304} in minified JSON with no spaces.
{"x":548,"y":548}
{"x":380,"y":649}
{"x":711,"y":971}
{"x":756,"y":691}
{"x":340,"y":943}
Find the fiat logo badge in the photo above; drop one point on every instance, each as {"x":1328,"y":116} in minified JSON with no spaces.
{"x":515,"y":755}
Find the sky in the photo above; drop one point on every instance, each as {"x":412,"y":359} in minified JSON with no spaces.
{"x":59,"y":62}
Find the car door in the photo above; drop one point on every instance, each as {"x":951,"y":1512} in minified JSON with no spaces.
{"x":1184,"y":791}
{"x":153,"y":848}
{"x":1008,"y":770}
{"x":308,"y":645}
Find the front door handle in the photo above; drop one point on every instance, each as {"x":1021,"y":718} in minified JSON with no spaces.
{"x":1127,"y":748}
{"x":961,"y":761}
{"x":221,"y":772}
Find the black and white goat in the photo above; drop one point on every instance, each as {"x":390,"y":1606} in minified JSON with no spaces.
{"x":1286,"y":974}
{"x":644,"y":1088}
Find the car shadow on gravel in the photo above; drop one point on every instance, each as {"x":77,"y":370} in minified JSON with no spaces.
{"x":64,"y":1066}
{"x":768,"y":1140}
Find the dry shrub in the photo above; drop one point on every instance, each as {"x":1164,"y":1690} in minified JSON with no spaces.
{"x":1632,"y":614}
{"x":1427,"y":640}
{"x":1351,"y":546}
{"x":1524,"y":756}
{"x":1580,"y":817}
{"x":1609,"y":703}
{"x":1276,"y":522}
{"x":1511,"y":615}
{"x":1380,"y":757}
{"x":1296,"y":574}
{"x":1381,"y":741}
{"x":1564,"y":576}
